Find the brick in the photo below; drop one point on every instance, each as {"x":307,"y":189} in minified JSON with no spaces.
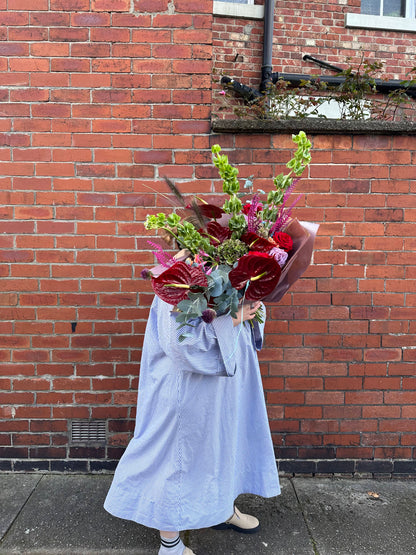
{"x":69,"y":5}
{"x":382,"y":354}
{"x":325,"y":426}
{"x":303,"y":439}
{"x":17,"y":398}
{"x":364,"y":397}
{"x":131,"y":20}
{"x":343,"y":383}
{"x":314,"y":412}
{"x":151,"y":5}
{"x":392,"y":452}
{"x":110,"y":5}
{"x":30,"y":439}
{"x":304,"y":383}
{"x":301,"y":467}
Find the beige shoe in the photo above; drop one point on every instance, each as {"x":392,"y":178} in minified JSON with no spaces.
{"x":240,"y":522}
{"x":188,"y":551}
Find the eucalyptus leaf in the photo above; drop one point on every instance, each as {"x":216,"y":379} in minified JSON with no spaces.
{"x":183,"y":336}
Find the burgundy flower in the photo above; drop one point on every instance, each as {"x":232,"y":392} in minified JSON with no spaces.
{"x":260,"y":271}
{"x":284,"y":240}
{"x":217,"y":233}
{"x":257,"y":243}
{"x":173,"y":285}
{"x":209,"y":210}
{"x":208,"y":315}
{"x":199,"y":279}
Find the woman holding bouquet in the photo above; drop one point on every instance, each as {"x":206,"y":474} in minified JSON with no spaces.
{"x":202,"y":435}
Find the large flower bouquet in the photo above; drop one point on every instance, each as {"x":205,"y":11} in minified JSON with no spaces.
{"x":248,"y":249}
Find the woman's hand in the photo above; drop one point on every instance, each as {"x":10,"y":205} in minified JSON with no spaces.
{"x":246,"y":311}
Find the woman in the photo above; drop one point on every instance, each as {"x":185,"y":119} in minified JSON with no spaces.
{"x":202,"y":435}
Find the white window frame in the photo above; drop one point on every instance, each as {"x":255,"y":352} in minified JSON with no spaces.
{"x":406,"y":24}
{"x":232,"y":9}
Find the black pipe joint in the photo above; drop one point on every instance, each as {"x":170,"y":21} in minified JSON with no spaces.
{"x":249,"y":94}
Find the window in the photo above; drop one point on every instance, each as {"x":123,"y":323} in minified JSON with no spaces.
{"x":391,"y":15}
{"x":390,"y":8}
{"x":238,"y":8}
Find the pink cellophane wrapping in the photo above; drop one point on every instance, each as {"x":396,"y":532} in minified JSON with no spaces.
{"x":303,"y":236}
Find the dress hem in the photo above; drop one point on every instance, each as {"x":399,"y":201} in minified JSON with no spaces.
{"x":202,"y":523}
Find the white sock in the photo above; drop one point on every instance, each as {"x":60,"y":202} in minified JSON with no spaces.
{"x":171,"y":546}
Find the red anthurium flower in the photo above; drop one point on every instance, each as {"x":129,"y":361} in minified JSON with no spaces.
{"x":209,"y":210}
{"x":284,"y":240}
{"x":173,"y":285}
{"x":199,"y":279}
{"x":261,"y":271}
{"x":217,"y":233}
{"x":257,"y":243}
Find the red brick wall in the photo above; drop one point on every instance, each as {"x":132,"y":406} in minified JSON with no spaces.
{"x":97,"y":107}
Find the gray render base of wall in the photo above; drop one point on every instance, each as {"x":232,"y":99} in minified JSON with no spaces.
{"x":351,"y":468}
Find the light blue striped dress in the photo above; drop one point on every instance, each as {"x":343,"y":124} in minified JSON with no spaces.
{"x":202,"y":435}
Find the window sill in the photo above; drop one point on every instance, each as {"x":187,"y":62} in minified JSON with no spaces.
{"x":380,"y":22}
{"x":245,"y":11}
{"x":314,"y":126}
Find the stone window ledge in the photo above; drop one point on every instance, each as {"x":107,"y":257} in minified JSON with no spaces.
{"x":315,"y":126}
{"x":244,"y":11}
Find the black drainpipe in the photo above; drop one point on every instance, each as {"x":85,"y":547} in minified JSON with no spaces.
{"x":266,"y":68}
{"x":248,"y":93}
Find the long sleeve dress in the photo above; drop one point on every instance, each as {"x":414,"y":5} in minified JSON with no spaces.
{"x":202,"y":435}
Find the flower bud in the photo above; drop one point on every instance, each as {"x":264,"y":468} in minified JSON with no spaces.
{"x":208,"y":315}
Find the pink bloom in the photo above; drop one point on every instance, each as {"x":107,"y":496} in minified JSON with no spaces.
{"x":279,"y":255}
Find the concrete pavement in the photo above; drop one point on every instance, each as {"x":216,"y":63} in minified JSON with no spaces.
{"x":51,"y":514}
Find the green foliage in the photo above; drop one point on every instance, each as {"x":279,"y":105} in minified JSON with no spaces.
{"x":184,"y":232}
{"x":359,"y":83}
{"x":231,"y":186}
{"x":302,"y":156}
{"x":155,"y":221}
{"x":231,"y":250}
{"x":218,"y":280}
{"x":189,"y":238}
{"x":227,"y":302}
{"x":191,"y":308}
{"x":227,"y":172}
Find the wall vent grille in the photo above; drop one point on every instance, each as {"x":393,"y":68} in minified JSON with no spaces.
{"x":83,"y":431}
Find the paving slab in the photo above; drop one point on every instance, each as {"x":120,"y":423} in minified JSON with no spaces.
{"x":359,"y":517}
{"x":15,"y":489}
{"x":283,"y":530}
{"x":65,"y":515}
